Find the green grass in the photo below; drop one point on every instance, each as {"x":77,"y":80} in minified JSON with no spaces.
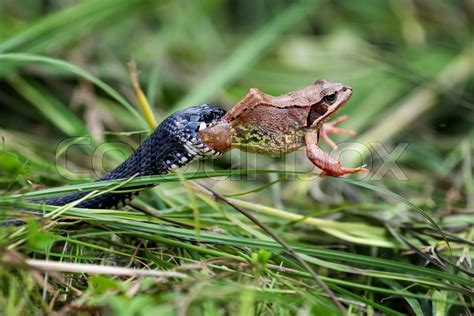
{"x":383,"y":245}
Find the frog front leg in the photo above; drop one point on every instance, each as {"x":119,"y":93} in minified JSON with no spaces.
{"x":330,"y":129}
{"x":328,"y":164}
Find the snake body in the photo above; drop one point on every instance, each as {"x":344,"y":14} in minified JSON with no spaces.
{"x":173,"y":144}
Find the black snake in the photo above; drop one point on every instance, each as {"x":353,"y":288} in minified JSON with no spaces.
{"x":173,"y":144}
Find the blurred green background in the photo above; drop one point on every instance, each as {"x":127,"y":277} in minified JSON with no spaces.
{"x":64,"y":80}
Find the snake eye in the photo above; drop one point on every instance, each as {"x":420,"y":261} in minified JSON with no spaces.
{"x":330,"y":98}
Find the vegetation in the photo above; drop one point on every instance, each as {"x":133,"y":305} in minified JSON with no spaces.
{"x":397,"y":241}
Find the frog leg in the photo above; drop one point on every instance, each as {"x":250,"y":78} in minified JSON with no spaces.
{"x":328,"y":164}
{"x":330,"y":128}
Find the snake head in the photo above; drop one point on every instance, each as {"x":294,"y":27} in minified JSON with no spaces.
{"x":187,"y":123}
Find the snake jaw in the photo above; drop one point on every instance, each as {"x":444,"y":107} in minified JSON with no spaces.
{"x":188,"y":124}
{"x":201,"y":150}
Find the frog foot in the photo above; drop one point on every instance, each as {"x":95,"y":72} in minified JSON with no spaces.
{"x":330,"y":128}
{"x":328,"y":164}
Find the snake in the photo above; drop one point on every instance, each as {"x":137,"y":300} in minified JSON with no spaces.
{"x":173,"y":144}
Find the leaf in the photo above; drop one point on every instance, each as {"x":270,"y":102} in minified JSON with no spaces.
{"x":38,"y":239}
{"x":102,"y":284}
{"x":401,"y":199}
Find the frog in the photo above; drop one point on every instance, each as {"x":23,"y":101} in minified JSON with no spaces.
{"x":276,"y":125}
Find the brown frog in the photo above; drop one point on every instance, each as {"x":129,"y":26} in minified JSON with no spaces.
{"x":276,"y":125}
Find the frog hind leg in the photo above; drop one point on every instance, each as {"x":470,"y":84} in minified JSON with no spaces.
{"x":328,"y":164}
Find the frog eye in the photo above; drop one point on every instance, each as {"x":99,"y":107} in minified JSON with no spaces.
{"x":330,"y":98}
